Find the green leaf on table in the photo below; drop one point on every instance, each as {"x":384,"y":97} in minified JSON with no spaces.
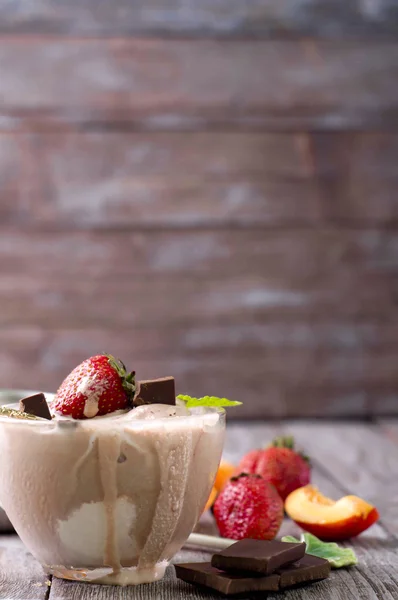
{"x":191,"y":402}
{"x":335,"y":554}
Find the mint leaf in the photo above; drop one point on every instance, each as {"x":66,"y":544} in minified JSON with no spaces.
{"x":291,"y":539}
{"x":335,"y":554}
{"x":191,"y":402}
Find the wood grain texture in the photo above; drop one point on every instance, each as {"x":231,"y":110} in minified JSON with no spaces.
{"x":299,"y":256}
{"x":357,"y":176}
{"x":21,"y":576}
{"x":272,"y":382}
{"x":197,"y":179}
{"x":228,"y":274}
{"x":224,"y":17}
{"x":177,"y":84}
{"x":287,"y":322}
{"x":192,"y":179}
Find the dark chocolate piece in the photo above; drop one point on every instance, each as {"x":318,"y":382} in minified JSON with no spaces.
{"x":226,"y":583}
{"x":35,"y":405}
{"x":307,"y":569}
{"x":155,"y":391}
{"x":258,"y":556}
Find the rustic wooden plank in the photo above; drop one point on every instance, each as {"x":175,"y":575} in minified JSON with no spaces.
{"x":273,"y":382}
{"x":171,"y":84}
{"x":225,"y":17}
{"x":357,"y":177}
{"x":358,"y":456}
{"x":194,"y":179}
{"x":169,"y":277}
{"x":21,"y":576}
{"x":197,"y":179}
{"x":179,"y":301}
{"x":294,"y":260}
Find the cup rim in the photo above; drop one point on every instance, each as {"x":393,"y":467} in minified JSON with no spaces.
{"x":84,"y":423}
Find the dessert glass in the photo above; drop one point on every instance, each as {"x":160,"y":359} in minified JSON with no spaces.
{"x":109,"y":499}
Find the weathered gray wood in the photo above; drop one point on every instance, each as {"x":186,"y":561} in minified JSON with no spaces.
{"x":21,"y":576}
{"x":311,"y":273}
{"x":271,"y":381}
{"x":132,"y":180}
{"x":356,"y":176}
{"x":289,"y":322}
{"x":172,"y":84}
{"x":224,"y":17}
{"x":299,"y":257}
{"x":197,"y":179}
{"x":360,"y":458}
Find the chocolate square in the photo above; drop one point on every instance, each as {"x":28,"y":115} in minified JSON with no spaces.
{"x":258,"y":556}
{"x":35,"y":405}
{"x":307,"y":569}
{"x":155,"y":391}
{"x":226,"y":583}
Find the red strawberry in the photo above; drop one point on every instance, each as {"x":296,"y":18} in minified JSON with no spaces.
{"x":248,"y":507}
{"x":280,"y":465}
{"x":99,"y":385}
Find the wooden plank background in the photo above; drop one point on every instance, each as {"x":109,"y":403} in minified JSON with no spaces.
{"x":207,"y":189}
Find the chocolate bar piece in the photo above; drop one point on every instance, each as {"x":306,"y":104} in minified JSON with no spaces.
{"x":225,"y":583}
{"x":258,"y":556}
{"x":155,"y":391}
{"x":307,"y":569}
{"x":35,"y":405}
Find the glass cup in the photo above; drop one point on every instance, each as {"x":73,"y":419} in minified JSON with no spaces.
{"x":108,"y":500}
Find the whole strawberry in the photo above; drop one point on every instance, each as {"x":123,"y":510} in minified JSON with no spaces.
{"x":99,"y":385}
{"x":248,"y":507}
{"x":280,"y":465}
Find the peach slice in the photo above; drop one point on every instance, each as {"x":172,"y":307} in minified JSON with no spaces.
{"x":329,"y":519}
{"x":225,"y":471}
{"x":211,"y":499}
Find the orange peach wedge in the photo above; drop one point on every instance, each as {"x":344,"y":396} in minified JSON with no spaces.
{"x":224,"y":474}
{"x":211,"y":499}
{"x":329,"y":519}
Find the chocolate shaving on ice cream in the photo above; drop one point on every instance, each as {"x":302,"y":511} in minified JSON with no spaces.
{"x":35,"y":405}
{"x":155,"y":391}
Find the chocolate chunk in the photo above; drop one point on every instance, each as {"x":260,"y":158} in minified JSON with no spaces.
{"x":155,"y":391}
{"x":35,"y":405}
{"x":258,"y":556}
{"x":307,"y":569}
{"x":226,"y":583}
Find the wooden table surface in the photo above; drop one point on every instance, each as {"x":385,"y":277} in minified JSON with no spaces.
{"x":355,"y":457}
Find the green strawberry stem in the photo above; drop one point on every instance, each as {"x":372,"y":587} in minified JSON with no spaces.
{"x":283,"y":442}
{"x":127,"y":379}
{"x":287,"y":442}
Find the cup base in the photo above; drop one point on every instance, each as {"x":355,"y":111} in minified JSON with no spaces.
{"x":108,"y":576}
